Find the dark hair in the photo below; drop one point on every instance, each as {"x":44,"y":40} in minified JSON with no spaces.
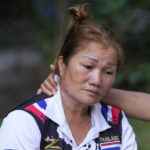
{"x":81,"y":30}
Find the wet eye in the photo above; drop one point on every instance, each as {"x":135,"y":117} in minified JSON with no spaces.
{"x":88,"y":67}
{"x":109,"y":72}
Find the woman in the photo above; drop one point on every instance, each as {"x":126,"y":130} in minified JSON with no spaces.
{"x":125,"y":100}
{"x":74,"y":118}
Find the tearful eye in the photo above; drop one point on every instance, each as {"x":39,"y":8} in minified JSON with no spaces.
{"x":109,"y":73}
{"x":88,"y":67}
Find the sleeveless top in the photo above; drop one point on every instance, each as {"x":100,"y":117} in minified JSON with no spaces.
{"x":107,"y":140}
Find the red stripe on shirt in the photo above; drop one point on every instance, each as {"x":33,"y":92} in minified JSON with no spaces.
{"x":112,"y":143}
{"x":37,"y":112}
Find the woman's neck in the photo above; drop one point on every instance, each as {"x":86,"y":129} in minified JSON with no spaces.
{"x":78,"y":117}
{"x":73,"y":107}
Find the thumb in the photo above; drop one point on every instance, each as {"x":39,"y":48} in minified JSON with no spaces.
{"x":39,"y":91}
{"x":52,"y":68}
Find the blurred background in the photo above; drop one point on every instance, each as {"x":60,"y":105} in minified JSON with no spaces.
{"x":31,"y":32}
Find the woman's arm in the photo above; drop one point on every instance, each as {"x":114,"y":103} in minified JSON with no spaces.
{"x":134,"y":104}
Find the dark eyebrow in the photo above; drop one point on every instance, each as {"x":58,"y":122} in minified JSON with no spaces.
{"x":95,"y":60}
{"x":91,"y":58}
{"x":112,"y":64}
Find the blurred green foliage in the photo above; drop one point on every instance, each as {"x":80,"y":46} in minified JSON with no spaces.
{"x":141,"y":129}
{"x":134,"y":77}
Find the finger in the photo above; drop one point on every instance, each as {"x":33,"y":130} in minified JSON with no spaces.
{"x":45,"y":90}
{"x":51,"y":81}
{"x":52,"y":67}
{"x":50,"y":87}
{"x":39,"y":91}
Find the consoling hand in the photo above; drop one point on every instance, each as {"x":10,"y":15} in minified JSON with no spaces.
{"x":49,"y":85}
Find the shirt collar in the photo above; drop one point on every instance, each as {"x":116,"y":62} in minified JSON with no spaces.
{"x":55,"y":109}
{"x":99,"y":123}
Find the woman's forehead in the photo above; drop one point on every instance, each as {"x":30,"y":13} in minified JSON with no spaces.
{"x":97,"y":54}
{"x":96,"y":49}
{"x":106,"y":61}
{"x":91,"y":45}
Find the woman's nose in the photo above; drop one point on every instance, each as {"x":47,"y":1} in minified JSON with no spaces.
{"x":96,"y":78}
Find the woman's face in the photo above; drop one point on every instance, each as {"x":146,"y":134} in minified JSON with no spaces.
{"x":89,"y":74}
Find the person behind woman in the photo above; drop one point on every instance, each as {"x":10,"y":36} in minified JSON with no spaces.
{"x":74,"y":118}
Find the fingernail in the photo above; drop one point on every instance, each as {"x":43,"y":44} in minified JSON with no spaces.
{"x":54,"y":92}
{"x":49,"y":93}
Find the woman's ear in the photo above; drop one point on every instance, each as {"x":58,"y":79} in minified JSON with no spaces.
{"x":61,"y":66}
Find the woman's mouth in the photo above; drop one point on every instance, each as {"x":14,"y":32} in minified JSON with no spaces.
{"x":93,"y":92}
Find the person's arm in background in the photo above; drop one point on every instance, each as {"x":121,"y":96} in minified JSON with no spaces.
{"x":134,"y":104}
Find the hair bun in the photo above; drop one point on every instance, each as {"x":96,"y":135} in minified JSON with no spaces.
{"x":79,"y":12}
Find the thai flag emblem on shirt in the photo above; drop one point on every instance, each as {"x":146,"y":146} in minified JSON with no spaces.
{"x":110,"y":113}
{"x":115,"y":145}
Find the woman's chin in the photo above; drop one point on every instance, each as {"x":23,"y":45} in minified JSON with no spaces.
{"x":89,"y":101}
